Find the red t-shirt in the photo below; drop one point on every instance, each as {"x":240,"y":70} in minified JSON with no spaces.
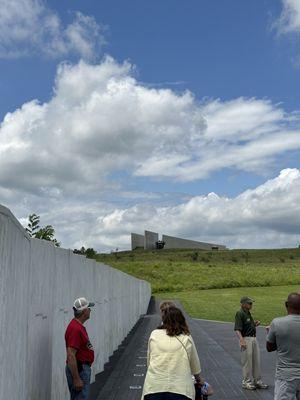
{"x":76,"y":337}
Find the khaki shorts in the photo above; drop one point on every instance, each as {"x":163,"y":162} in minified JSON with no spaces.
{"x":287,"y":390}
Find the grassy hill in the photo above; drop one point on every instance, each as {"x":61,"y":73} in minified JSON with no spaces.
{"x":268,"y":275}
{"x":182,"y":270}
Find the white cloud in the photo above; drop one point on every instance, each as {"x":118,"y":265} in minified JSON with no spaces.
{"x":289,"y":20}
{"x":245,"y":134}
{"x":267,"y":216}
{"x":241,"y":119}
{"x":75,"y":160}
{"x":100,"y":121}
{"x":29,"y":26}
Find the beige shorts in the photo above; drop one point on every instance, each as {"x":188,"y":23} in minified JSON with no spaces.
{"x":287,"y":390}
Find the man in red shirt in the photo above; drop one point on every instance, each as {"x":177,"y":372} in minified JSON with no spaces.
{"x":80,"y":352}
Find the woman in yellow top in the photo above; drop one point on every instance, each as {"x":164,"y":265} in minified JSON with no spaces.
{"x":172,"y":360}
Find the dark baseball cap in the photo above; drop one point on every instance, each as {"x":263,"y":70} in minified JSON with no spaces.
{"x":246,"y":300}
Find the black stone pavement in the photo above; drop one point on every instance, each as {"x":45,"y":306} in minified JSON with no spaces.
{"x":218,"y":351}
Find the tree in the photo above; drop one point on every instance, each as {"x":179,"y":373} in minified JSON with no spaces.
{"x":90,"y":252}
{"x":81,"y":251}
{"x":45,"y":233}
{"x":33,"y":224}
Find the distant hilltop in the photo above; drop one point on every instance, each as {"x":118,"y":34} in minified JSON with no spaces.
{"x":150,"y":241}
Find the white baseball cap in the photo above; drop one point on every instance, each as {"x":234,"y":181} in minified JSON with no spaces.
{"x":82,"y":303}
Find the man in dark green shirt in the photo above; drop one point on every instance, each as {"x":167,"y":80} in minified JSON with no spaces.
{"x":245,"y":328}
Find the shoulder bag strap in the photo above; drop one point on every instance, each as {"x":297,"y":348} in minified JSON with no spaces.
{"x":183,"y":346}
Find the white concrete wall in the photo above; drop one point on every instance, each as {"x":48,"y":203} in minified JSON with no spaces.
{"x":149,"y":240}
{"x":172,"y":242}
{"x":38,"y":284}
{"x":137,"y":241}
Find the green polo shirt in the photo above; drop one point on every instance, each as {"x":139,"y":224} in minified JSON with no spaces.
{"x":244,"y":323}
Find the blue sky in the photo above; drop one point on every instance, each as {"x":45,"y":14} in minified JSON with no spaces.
{"x":165,"y":102}
{"x":215,"y":49}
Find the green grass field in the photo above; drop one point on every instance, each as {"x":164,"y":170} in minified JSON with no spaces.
{"x":210,"y":284}
{"x":221,"y":304}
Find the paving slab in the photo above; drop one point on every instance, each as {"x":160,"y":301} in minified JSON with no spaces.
{"x":218,"y":352}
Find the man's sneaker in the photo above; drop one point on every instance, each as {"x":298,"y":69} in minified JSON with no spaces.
{"x":248,"y":385}
{"x":261,"y":385}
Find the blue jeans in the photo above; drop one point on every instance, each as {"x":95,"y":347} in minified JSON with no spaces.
{"x":85,"y":376}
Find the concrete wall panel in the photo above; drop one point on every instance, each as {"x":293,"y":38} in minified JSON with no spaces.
{"x":14,"y":266}
{"x":137,"y":241}
{"x":172,"y":242}
{"x":62,"y":313}
{"x":150,"y":239}
{"x":40,"y":318}
{"x":38,"y":284}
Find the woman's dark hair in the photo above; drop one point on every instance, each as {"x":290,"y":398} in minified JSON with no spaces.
{"x":173,"y":322}
{"x":166,"y":304}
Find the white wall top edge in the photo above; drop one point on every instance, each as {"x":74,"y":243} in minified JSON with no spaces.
{"x":6,"y":211}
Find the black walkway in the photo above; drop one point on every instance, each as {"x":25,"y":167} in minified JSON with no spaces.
{"x":218,"y":353}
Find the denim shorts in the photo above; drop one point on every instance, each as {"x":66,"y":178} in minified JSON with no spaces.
{"x":85,"y":376}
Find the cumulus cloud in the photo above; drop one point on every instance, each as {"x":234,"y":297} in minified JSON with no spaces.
{"x":74,"y":157}
{"x":29,"y":27}
{"x":245,"y":134}
{"x":289,"y":20}
{"x":266,"y":216}
{"x":101,"y":121}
